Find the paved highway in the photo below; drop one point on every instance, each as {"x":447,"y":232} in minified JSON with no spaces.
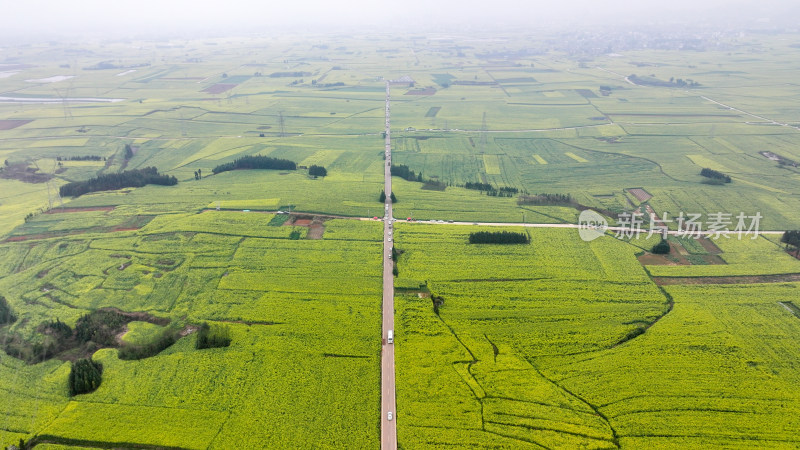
{"x":388,"y":404}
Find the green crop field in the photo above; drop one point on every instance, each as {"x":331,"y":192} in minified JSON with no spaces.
{"x":528,"y":339}
{"x":203,"y":267}
{"x":558,"y":343}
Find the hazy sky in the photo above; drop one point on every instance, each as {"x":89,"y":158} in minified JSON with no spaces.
{"x":128,"y":16}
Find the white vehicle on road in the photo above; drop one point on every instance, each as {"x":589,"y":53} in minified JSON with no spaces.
{"x":390,"y":337}
{"x":389,"y":415}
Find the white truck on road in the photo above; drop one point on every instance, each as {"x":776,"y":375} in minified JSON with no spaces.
{"x":390,"y":337}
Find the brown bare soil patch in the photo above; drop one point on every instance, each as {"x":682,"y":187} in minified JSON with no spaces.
{"x":22,"y":172}
{"x":135,"y":223}
{"x":676,"y":257}
{"x":649,"y":259}
{"x":219,"y":88}
{"x":315,"y":224}
{"x":10,"y":124}
{"x":316,"y":230}
{"x":640,"y":194}
{"x":709,"y":246}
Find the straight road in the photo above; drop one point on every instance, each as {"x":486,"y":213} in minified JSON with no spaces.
{"x":388,"y":404}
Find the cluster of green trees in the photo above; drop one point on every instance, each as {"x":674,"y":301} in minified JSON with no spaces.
{"x":100,"y":327}
{"x":128,"y":178}
{"x":317,"y":171}
{"x":213,"y":337}
{"x":382,"y":197}
{"x":85,"y":376}
{"x":58,"y":329}
{"x":198,"y":174}
{"x":662,"y":248}
{"x":715,"y":175}
{"x":6,"y":315}
{"x":256,"y":162}
{"x":546,"y":200}
{"x":792,"y":238}
{"x":128,"y":151}
{"x":92,"y":331}
{"x":498,"y":237}
{"x":81,"y":158}
{"x":402,"y":171}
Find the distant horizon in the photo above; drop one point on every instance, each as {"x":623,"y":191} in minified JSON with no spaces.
{"x":47,"y":19}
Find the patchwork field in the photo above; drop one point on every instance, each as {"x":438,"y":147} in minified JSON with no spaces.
{"x":559,"y":343}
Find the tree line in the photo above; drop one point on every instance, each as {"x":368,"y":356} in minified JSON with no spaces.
{"x":546,"y":200}
{"x":502,"y":191}
{"x":111,"y":181}
{"x":715,"y":175}
{"x":650,"y":81}
{"x":402,"y":171}
{"x":488,"y":187}
{"x":256,"y":162}
{"x":498,"y":237}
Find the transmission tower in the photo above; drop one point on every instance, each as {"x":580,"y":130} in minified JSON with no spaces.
{"x":281,"y":125}
{"x":65,"y":102}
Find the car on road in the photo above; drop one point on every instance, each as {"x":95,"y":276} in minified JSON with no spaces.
{"x":389,"y":415}
{"x":390,"y":239}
